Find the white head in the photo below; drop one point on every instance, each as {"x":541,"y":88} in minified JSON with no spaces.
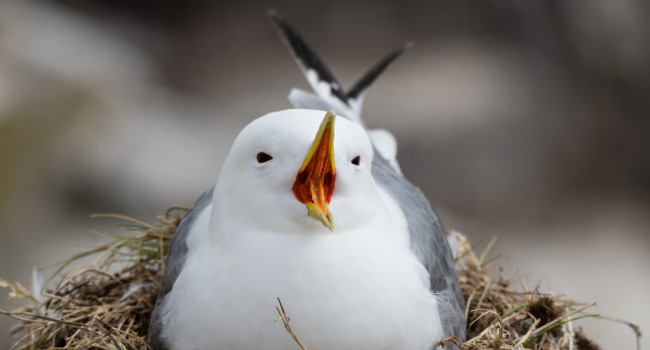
{"x":270,"y":180}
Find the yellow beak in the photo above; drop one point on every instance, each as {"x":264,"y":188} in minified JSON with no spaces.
{"x":314,"y":183}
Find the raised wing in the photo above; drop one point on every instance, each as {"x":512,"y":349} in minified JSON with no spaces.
{"x":321,"y":79}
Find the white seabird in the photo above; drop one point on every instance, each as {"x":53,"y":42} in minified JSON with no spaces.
{"x":326,"y":223}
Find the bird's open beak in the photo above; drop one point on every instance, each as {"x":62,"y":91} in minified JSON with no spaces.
{"x":315,"y":180}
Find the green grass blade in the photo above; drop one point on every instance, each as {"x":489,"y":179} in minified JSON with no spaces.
{"x":549,"y":328}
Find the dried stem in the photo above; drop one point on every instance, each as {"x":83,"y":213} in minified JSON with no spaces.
{"x":285,"y":319}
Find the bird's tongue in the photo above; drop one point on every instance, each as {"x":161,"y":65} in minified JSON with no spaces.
{"x":314,"y":183}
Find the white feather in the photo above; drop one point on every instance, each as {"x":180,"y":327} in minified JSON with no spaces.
{"x":386,"y":145}
{"x":358,"y":287}
{"x":37,"y":284}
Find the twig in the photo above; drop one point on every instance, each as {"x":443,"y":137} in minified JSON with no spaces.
{"x":634,"y":326}
{"x":285,"y":319}
{"x":524,"y":338}
{"x":489,"y":312}
{"x":21,"y":316}
{"x":563,"y":317}
{"x":454,"y":340}
{"x":123,"y":217}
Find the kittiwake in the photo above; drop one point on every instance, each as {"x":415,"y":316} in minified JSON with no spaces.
{"x":311,"y":208}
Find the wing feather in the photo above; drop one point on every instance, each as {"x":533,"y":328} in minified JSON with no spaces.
{"x":173,"y":265}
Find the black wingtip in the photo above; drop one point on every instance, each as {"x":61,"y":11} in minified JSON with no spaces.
{"x":368,"y":78}
{"x":287,"y":33}
{"x":275,"y":17}
{"x":304,"y":54}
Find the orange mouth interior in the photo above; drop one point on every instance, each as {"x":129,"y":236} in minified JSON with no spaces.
{"x":315,"y":180}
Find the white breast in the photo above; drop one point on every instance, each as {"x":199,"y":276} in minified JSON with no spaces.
{"x":354,"y":290}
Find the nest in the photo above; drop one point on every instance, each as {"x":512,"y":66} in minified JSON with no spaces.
{"x":107,"y":305}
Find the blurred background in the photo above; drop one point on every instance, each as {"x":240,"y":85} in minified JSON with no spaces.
{"x":524,"y":120}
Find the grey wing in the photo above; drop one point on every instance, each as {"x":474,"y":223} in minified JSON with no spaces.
{"x":173,"y":266}
{"x":429,"y":243}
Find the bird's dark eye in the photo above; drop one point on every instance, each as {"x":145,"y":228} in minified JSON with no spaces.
{"x":356,"y":160}
{"x":263,"y":157}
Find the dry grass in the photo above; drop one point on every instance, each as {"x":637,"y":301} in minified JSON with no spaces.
{"x":107,"y":305}
{"x":501,"y":318}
